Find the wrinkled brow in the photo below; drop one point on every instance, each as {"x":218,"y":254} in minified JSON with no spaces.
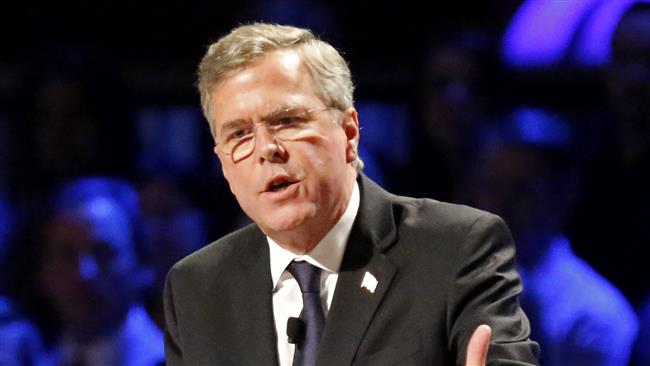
{"x":283,"y":110}
{"x":233,"y":124}
{"x":238,"y":122}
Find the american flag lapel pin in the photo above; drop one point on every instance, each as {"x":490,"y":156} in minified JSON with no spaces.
{"x":369,"y":282}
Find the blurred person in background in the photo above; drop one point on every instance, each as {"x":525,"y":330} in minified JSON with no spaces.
{"x":90,"y":271}
{"x":525,"y":173}
{"x":614,"y":205}
{"x":642,"y":347}
{"x":453,"y":101}
{"x":5,"y":149}
{"x":172,"y":228}
{"x":75,"y":121}
{"x":20,"y":341}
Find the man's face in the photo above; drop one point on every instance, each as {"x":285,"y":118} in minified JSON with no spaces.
{"x":86,"y":277}
{"x":286,"y":186}
{"x":514,"y":183}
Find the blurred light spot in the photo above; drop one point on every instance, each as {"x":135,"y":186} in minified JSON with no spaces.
{"x":546,"y":33}
{"x":594,"y":46}
{"x":541,"y":31}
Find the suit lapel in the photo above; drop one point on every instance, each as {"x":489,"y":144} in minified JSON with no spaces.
{"x":254,"y":341}
{"x":353,"y":307}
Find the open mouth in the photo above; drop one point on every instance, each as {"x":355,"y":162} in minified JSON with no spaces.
{"x":278,"y":184}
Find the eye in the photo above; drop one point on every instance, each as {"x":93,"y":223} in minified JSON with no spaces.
{"x":289,"y":119}
{"x":237,"y":134}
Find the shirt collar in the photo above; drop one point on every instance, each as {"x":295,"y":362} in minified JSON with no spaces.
{"x":328,"y":253}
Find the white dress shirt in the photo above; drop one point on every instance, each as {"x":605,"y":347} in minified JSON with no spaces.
{"x":287,"y":298}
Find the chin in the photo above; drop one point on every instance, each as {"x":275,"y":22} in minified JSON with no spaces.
{"x":279,"y":224}
{"x":288,"y":218}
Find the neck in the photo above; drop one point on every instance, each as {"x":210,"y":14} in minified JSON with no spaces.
{"x":300,"y":243}
{"x":89,"y":330}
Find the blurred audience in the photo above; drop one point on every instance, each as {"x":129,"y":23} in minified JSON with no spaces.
{"x":384,"y":145}
{"x":6,"y":221}
{"x":5,"y":149}
{"x":90,"y":272}
{"x":642,"y":348}
{"x":453,"y":101}
{"x":20,"y":341}
{"x":171,"y":229}
{"x":314,"y":14}
{"x":525,"y":174}
{"x":76,"y":121}
{"x":614,"y":205}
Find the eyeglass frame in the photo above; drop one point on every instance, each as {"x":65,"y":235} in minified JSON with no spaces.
{"x":273,"y":130}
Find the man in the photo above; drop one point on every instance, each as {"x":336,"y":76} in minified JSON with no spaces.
{"x":20,"y":340}
{"x":527,"y":175}
{"x":397,"y":280}
{"x":91,"y":274}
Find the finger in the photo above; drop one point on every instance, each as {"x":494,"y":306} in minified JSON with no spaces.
{"x":478,"y":346}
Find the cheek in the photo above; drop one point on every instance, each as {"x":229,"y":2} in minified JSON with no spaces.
{"x":234,"y":178}
{"x":328,"y":167}
{"x":237,"y":189}
{"x":240,"y":185}
{"x":49,"y":280}
{"x":327,"y":154}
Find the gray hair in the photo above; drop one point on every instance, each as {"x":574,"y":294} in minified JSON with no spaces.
{"x":248,"y":43}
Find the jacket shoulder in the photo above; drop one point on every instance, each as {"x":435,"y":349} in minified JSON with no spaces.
{"x":426,"y":213}
{"x":221,"y":250}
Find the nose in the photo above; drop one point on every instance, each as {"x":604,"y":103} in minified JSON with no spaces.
{"x":268,"y":147}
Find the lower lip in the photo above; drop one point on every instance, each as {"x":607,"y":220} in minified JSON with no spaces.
{"x":283,"y":193}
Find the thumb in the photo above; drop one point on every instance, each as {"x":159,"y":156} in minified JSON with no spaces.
{"x":478,"y":346}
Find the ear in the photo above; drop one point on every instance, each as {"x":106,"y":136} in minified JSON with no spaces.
{"x":350,"y":126}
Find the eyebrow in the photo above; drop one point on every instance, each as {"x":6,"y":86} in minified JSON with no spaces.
{"x":274,"y":113}
{"x":280,"y":110}
{"x":232,"y":124}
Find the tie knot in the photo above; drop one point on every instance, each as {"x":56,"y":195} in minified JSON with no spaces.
{"x":307,"y":275}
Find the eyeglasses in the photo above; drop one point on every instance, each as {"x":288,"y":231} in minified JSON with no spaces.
{"x":238,"y":137}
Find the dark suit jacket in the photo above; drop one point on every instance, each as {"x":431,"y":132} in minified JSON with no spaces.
{"x":442,"y":270}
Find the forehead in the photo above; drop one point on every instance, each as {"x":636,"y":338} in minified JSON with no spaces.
{"x":97,"y":221}
{"x":67,"y":229}
{"x":511,"y":162}
{"x":279,"y":78}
